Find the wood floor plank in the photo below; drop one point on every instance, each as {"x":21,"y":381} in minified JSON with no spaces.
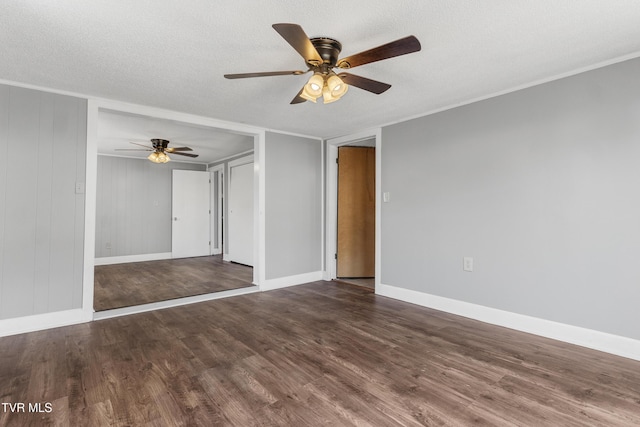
{"x":323,"y":353}
{"x":136,"y":283}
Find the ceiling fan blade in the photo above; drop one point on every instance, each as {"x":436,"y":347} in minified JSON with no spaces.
{"x":185,"y":154}
{"x":399,"y":47}
{"x":141,"y":145}
{"x":298,"y":99}
{"x":373,"y":86}
{"x":296,"y":37}
{"x":173,"y":149}
{"x":264,"y":74}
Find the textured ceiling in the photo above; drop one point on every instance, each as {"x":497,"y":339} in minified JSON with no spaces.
{"x":173,"y":54}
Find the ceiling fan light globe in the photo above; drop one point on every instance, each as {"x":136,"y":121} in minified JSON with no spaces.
{"x":153,"y":157}
{"x":336,"y":86}
{"x":158,"y":157}
{"x":327,"y":97}
{"x":308,"y":97}
{"x":314,"y":86}
{"x":163,"y":158}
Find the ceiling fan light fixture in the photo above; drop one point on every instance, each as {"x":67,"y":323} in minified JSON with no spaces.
{"x":158,"y":157}
{"x":313,"y":89}
{"x":327,"y":97}
{"x":336,"y":86}
{"x":306,"y":96}
{"x":163,"y":157}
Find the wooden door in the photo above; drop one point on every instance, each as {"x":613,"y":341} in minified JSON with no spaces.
{"x":356,"y":212}
{"x":190,"y":210}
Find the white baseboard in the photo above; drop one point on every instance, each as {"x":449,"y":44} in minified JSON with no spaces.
{"x":117,"y":312}
{"x":38,"y":322}
{"x":225,"y":257}
{"x":602,"y":341}
{"x":131,"y":258}
{"x":284,"y":282}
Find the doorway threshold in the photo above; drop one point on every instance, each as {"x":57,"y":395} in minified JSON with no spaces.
{"x":125,"y":311}
{"x":368,"y":282}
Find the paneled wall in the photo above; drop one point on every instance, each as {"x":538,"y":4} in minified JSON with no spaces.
{"x":42,"y":178}
{"x":133,"y":206}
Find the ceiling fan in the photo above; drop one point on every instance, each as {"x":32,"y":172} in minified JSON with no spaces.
{"x":321,"y":57}
{"x":160,"y":148}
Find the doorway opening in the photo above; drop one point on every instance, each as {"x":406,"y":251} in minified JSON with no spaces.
{"x":355,"y":250}
{"x":353,"y":210}
{"x":138,"y":230}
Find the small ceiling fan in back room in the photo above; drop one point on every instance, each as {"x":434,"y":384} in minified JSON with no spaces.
{"x":160,"y":148}
{"x":320,"y":55}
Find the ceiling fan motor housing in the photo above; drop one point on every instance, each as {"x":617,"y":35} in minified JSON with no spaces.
{"x":159,"y":144}
{"x":329,"y":50}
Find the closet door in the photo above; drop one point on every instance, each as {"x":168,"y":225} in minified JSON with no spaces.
{"x":190,"y":214}
{"x":240,"y":239}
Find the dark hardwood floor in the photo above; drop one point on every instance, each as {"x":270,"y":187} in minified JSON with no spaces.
{"x":323,"y":353}
{"x":124,"y":285}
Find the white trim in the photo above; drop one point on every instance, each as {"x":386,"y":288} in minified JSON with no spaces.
{"x":39,"y":322}
{"x":259,"y":197}
{"x":299,"y":135}
{"x":378,"y":237}
{"x":332,"y":199}
{"x":225,"y":257}
{"x":117,"y":312}
{"x":224,"y":159}
{"x":216,"y":208}
{"x":91,"y":183}
{"x":602,"y":341}
{"x":132,"y":258}
{"x":173,"y":160}
{"x":285,"y":282}
{"x":241,"y":161}
{"x":323,"y":209}
{"x":161,"y":113}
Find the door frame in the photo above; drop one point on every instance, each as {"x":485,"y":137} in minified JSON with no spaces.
{"x":332,"y":200}
{"x":94,"y":106}
{"x":216,"y":197}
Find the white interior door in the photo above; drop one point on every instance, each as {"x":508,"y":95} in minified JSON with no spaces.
{"x":190,"y":209}
{"x":240,"y":238}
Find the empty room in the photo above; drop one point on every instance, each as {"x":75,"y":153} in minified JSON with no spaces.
{"x":341,"y":213}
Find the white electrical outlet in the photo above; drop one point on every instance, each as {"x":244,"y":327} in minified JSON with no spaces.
{"x":386,"y":197}
{"x":467,"y":263}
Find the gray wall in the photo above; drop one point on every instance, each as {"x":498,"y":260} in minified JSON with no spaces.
{"x":133,"y":206}
{"x":42,"y":158}
{"x":293,"y":209}
{"x":540,"y":187}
